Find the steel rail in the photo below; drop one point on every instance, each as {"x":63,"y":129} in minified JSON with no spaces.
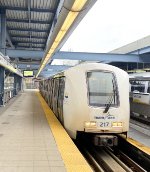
{"x":106,"y":159}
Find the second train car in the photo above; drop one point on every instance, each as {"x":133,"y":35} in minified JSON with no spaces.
{"x":90,"y":98}
{"x":140,"y":87}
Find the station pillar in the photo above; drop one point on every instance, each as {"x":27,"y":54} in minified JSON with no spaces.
{"x":20,"y":83}
{"x":2,"y":78}
{"x":3,"y":31}
{"x":17,"y":84}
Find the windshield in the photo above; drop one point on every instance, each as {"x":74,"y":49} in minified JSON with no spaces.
{"x":101,"y":88}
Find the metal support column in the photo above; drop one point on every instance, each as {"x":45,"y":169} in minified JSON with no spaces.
{"x":17,"y":84}
{"x":2,"y":78}
{"x":20,"y":83}
{"x":3,"y":31}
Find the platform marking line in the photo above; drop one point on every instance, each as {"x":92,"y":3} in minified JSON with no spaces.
{"x":139,"y":145}
{"x":73,"y":159}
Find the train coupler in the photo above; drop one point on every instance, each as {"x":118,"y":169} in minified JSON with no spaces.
{"x":105,"y":140}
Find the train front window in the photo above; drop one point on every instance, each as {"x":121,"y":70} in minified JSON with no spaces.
{"x":102,"y":88}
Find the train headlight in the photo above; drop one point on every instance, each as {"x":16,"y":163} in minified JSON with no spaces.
{"x":87,"y":124}
{"x":93,"y":124}
{"x":117,"y":124}
{"x":114,"y":124}
{"x":90,"y":124}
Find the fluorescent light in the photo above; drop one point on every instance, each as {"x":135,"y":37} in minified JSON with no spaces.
{"x":78,"y":5}
{"x":75,"y":10}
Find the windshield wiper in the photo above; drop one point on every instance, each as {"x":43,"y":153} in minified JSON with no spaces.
{"x":111,"y":98}
{"x":108,"y":104}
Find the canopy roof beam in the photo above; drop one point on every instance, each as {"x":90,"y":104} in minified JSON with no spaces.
{"x":27,"y":21}
{"x":97,"y":57}
{"x":41,"y":10}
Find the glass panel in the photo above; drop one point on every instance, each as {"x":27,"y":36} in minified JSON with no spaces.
{"x":148,"y":90}
{"x":137,"y":86}
{"x":61,"y":98}
{"x":101,"y":88}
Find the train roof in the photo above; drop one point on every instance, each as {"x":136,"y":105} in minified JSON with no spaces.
{"x":140,"y":79}
{"x":92,"y":65}
{"x":143,"y":76}
{"x":81,"y":65}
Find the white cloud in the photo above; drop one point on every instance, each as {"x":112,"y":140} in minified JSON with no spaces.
{"x":111,"y":24}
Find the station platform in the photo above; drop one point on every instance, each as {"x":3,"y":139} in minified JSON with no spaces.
{"x":33,"y":140}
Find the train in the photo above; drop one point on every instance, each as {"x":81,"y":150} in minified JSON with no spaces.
{"x":90,"y":98}
{"x":140,"y":87}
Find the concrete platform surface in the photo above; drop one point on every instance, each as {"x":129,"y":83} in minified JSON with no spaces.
{"x":26,"y":143}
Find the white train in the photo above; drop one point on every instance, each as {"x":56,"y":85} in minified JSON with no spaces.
{"x":140,"y":87}
{"x":90,"y":98}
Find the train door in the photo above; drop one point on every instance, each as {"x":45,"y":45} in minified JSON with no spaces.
{"x":61,"y":98}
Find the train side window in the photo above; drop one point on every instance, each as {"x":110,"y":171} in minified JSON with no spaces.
{"x":56,"y":85}
{"x":61,"y":88}
{"x":56,"y":81}
{"x":49,"y":89}
{"x":138,"y":86}
{"x":55,"y":96}
{"x":102,"y":88}
{"x":61,"y":98}
{"x":51,"y":93}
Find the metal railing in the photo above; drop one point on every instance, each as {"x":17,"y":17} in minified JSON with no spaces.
{"x":8,"y":94}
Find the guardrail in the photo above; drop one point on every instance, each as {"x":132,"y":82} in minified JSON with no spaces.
{"x":8,"y":94}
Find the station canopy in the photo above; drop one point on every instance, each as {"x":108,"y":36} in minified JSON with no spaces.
{"x":37,"y":29}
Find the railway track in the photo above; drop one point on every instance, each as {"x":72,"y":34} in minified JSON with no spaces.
{"x":140,"y":112}
{"x":105,"y":159}
{"x":141,"y":119}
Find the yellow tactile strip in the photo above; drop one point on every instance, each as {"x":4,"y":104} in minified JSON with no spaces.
{"x":73,"y":159}
{"x":139,"y":145}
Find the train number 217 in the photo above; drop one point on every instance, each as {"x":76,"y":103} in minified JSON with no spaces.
{"x":104,"y":124}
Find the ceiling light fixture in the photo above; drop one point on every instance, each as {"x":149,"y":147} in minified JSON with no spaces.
{"x":73,"y":13}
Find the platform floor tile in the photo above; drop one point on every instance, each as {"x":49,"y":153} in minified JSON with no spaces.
{"x":26,"y":141}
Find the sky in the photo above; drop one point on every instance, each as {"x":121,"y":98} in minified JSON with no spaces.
{"x":110,"y":24}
